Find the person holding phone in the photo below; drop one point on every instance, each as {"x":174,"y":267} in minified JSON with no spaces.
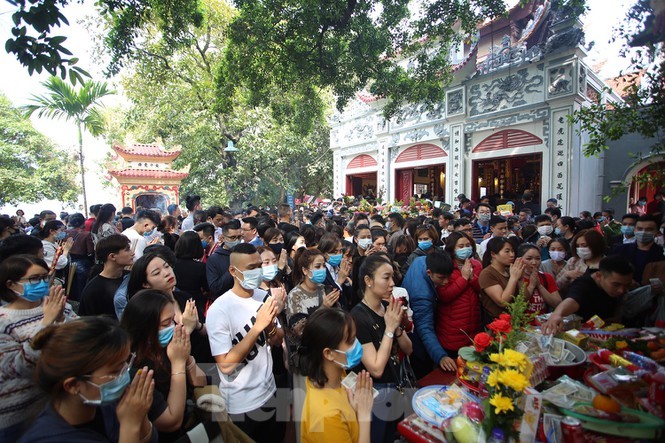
{"x":378,"y":318}
{"x":305,"y":298}
{"x":332,"y":414}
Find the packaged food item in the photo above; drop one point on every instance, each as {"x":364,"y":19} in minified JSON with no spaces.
{"x":596,"y":322}
{"x":575,"y":337}
{"x":533,"y":403}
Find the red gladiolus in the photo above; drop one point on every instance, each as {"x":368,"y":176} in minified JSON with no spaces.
{"x":500,"y":325}
{"x":481,"y":341}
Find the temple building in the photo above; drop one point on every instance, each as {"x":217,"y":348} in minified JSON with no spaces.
{"x":503,"y":128}
{"x":145,"y":176}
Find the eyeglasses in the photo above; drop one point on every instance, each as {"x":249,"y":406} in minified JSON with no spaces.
{"x":234,"y":238}
{"x":36,"y":279}
{"x":125,"y":368}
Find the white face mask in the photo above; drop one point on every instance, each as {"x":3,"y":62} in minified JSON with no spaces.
{"x":584,"y":253}
{"x":545,"y":230}
{"x":364,"y":243}
{"x":557,"y":255}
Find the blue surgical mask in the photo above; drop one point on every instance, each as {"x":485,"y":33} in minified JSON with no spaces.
{"x":464,"y":253}
{"x":251,"y":278}
{"x":388,"y":225}
{"x":204,"y":243}
{"x":641,"y":202}
{"x":165,"y":336}
{"x":628,"y":230}
{"x":34,"y":291}
{"x":602,"y":219}
{"x":232,"y":244}
{"x":353,"y":355}
{"x":557,"y":231}
{"x":318,"y":275}
{"x":60,"y":236}
{"x":269,"y":272}
{"x":425,"y":245}
{"x":364,"y":243}
{"x":335,"y":259}
{"x":149,"y":233}
{"x":109,"y":391}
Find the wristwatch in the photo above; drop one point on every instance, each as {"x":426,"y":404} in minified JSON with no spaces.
{"x":389,"y":334}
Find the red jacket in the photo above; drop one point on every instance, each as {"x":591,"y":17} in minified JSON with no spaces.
{"x":458,"y":309}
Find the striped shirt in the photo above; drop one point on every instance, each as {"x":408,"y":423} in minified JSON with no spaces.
{"x":20,"y":399}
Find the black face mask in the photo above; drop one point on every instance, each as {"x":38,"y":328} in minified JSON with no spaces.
{"x":276,"y":248}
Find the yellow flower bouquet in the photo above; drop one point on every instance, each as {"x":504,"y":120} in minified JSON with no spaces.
{"x":505,"y":385}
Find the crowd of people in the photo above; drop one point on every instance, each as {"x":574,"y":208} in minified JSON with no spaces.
{"x":111,"y":326}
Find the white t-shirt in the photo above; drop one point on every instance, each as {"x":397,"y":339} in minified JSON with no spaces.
{"x":251,"y":384}
{"x":482,"y":247}
{"x":140,"y":240}
{"x":188,"y":222}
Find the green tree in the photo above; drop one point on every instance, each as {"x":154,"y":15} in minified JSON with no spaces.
{"x":78,"y":105}
{"x":173,"y":100}
{"x":31,"y":167}
{"x":643,"y":109}
{"x":34,"y":21}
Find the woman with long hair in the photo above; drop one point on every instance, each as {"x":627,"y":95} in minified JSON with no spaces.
{"x":274,"y":239}
{"x":559,"y":250}
{"x":331,"y":414}
{"x":103,"y":225}
{"x":52,"y":234}
{"x":339,"y":267}
{"x":307,"y":296}
{"x":426,"y":237}
{"x":378,"y":318}
{"x":29,"y":306}
{"x":458,"y":307}
{"x":293,"y":242}
{"x":587,"y":250}
{"x":84,"y":370}
{"x":162,"y":344}
{"x":168,"y":226}
{"x":500,"y":278}
{"x":190,"y":271}
{"x":272,"y":283}
{"x":540,"y":288}
{"x":154,"y":271}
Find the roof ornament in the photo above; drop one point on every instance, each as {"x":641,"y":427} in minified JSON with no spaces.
{"x":506,"y":56}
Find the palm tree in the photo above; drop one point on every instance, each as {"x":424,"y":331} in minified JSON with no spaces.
{"x":79,"y":105}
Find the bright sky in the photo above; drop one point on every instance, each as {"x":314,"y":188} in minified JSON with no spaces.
{"x":16,"y":84}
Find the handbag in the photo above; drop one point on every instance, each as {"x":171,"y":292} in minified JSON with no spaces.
{"x":405,"y":377}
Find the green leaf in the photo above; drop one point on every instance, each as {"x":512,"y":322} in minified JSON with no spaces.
{"x":468,"y":353}
{"x":57,"y":40}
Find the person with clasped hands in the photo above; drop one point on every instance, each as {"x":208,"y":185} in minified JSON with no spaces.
{"x":241,"y":328}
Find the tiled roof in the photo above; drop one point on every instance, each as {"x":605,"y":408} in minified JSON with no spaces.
{"x":144,"y":150}
{"x":149,"y":173}
{"x":622,"y":85}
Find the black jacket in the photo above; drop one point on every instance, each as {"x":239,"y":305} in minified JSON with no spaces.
{"x":639,"y":261}
{"x":217,"y":272}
